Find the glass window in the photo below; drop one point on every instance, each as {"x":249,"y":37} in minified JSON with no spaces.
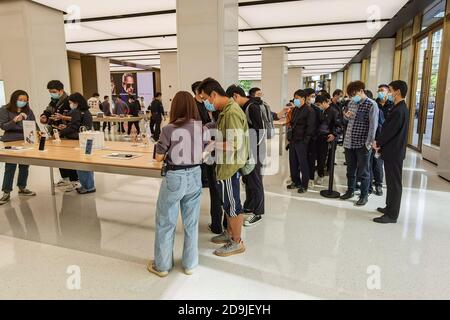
{"x":436,"y":51}
{"x":404,"y":65}
{"x":434,"y":12}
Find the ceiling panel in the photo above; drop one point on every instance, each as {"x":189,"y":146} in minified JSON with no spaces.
{"x":123,"y":68}
{"x":106,"y":46}
{"x":317,"y":11}
{"x":327,"y":49}
{"x":147,"y":62}
{"x":250,"y":37}
{"x":318,"y":62}
{"x":100,"y":8}
{"x":322,"y":55}
{"x":359,"y":30}
{"x":132,"y":27}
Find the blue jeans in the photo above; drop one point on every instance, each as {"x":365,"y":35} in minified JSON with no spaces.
{"x":358,"y":166}
{"x":180,"y":189}
{"x":8,"y":179}
{"x":86,"y":179}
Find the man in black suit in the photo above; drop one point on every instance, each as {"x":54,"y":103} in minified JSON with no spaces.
{"x":392,"y":145}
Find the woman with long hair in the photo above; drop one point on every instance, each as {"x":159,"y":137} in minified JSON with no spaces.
{"x":79,"y":117}
{"x":181,"y":187}
{"x":12,"y":116}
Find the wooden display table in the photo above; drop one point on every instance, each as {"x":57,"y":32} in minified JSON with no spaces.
{"x":67,"y":154}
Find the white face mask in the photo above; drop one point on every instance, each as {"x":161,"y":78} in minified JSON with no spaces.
{"x":73,"y":106}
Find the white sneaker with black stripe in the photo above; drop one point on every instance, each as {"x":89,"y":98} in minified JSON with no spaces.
{"x":252,"y":220}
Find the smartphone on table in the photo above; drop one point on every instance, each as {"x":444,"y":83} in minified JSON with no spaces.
{"x":89,"y":145}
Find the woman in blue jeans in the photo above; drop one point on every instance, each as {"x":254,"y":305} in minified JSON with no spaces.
{"x":11,"y":121}
{"x":181,"y":188}
{"x":78,"y":117}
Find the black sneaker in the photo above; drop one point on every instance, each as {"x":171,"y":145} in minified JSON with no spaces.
{"x":293,"y":186}
{"x":384,"y":220}
{"x":302,"y":190}
{"x":347,"y":195}
{"x":5,"y":198}
{"x":362,"y":201}
{"x":378,"y":191}
{"x":253,"y":220}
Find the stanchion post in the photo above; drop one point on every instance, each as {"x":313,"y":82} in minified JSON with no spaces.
{"x":330,"y":193}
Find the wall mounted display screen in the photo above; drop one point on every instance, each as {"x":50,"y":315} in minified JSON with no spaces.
{"x":139,"y":84}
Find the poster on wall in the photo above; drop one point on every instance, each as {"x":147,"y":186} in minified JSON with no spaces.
{"x":140,"y":84}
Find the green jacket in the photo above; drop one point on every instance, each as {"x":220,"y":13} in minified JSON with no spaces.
{"x":232,"y":125}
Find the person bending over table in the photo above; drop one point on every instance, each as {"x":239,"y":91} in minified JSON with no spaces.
{"x":79,"y":117}
{"x":11,"y":121}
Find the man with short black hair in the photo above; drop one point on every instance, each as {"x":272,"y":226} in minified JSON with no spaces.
{"x":255,"y":92}
{"x":254,"y":188}
{"x":233,"y":127}
{"x":329,"y":130}
{"x":157,"y":111}
{"x":134,"y":107}
{"x":107,"y":112}
{"x":362,"y":116}
{"x":52,"y":117}
{"x":94,"y":108}
{"x":391,"y":143}
{"x":218,"y":221}
{"x":312,"y":147}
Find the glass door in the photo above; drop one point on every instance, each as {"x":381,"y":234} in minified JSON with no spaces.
{"x":425,"y":84}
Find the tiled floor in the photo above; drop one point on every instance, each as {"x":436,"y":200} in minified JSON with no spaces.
{"x":307,"y":247}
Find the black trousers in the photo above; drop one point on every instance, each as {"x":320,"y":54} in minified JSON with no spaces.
{"x":254,"y":191}
{"x":107,"y":124}
{"x":155,"y":126}
{"x":322,"y":154}
{"x":121,"y":127}
{"x":218,"y":219}
{"x":358,"y":168}
{"x":298,"y":163}
{"x":376,"y":171}
{"x":312,"y":158}
{"x":394,"y":170}
{"x":136,"y":124}
{"x":68,"y":173}
{"x":96,"y":126}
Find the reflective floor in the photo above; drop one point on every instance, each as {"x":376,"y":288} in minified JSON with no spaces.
{"x":307,"y":247}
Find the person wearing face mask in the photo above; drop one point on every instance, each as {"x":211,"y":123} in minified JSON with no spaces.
{"x":12,"y":116}
{"x":330,"y":128}
{"x":376,"y":163}
{"x":254,"y":188}
{"x":231,"y":157}
{"x":94,"y":108}
{"x":362,"y":116}
{"x":391,"y":143}
{"x":80,"y":116}
{"x":55,"y":115}
{"x":157,"y":110}
{"x":312,"y":147}
{"x":218,"y":221}
{"x":300,"y":132}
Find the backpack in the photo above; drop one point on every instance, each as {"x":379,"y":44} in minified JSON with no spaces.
{"x":267,"y":119}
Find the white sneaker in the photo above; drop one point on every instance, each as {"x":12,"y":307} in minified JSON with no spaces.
{"x":63,"y":182}
{"x":73,"y":186}
{"x":311,"y":184}
{"x":319,"y":181}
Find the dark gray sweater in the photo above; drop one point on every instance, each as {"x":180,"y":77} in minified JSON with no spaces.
{"x":13,"y":130}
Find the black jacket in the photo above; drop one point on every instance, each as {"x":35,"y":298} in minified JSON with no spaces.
{"x":134,"y":107}
{"x":61,"y":106}
{"x":303,"y":124}
{"x":156,"y":108}
{"x":254,"y":112}
{"x":386,"y":108}
{"x":204,"y":115}
{"x":394,"y":136}
{"x":79,"y":119}
{"x":318,"y":114}
{"x":330,"y":122}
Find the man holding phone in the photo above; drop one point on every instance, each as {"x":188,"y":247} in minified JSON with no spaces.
{"x":362,"y":116}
